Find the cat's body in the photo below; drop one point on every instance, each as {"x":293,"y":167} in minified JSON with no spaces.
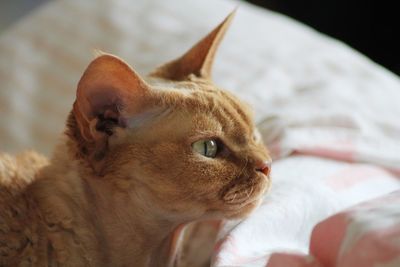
{"x":139,"y":160}
{"x":18,"y":216}
{"x":55,"y":218}
{"x":33,"y":216}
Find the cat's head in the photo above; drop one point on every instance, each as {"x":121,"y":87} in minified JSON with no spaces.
{"x":174,"y":139}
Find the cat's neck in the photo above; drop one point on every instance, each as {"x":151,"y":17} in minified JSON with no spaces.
{"x":117,"y":228}
{"x":132,"y":232}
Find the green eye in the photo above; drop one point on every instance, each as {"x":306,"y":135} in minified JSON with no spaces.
{"x":207,"y":148}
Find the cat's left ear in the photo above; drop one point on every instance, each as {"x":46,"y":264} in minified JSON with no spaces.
{"x":199,"y":59}
{"x":108,"y":94}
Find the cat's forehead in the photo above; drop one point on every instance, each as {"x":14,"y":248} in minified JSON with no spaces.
{"x":189,"y":85}
{"x":201,"y":93}
{"x":204,"y":100}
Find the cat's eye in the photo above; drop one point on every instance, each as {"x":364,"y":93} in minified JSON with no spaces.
{"x":207,"y":148}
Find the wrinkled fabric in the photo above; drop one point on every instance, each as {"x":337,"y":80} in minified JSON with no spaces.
{"x":365,"y":235}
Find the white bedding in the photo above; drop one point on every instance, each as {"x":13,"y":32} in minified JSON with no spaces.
{"x":312,"y":96}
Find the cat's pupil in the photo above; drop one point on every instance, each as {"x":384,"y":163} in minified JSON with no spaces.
{"x":207,"y":148}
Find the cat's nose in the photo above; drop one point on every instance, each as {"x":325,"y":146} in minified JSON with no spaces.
{"x":264,"y":167}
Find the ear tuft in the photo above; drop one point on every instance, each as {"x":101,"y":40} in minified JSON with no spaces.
{"x":98,"y":53}
{"x":199,"y":59}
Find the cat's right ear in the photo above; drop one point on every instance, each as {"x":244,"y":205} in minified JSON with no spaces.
{"x":199,"y":59}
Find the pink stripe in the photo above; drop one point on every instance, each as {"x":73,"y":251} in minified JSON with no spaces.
{"x":327,"y":238}
{"x":343,"y":155}
{"x":292,"y":260}
{"x":374,"y":248}
{"x":394,"y":171}
{"x":355,"y":175}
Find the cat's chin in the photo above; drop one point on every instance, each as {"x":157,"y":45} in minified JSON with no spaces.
{"x":242,"y":211}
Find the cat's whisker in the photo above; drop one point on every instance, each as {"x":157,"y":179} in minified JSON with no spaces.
{"x":234,"y":197}
{"x":231,"y":199}
{"x":244,"y":167}
{"x":251,"y":191}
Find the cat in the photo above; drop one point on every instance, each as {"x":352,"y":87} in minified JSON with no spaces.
{"x":140,"y":158}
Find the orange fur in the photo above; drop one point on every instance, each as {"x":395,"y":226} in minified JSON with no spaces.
{"x":124,"y":179}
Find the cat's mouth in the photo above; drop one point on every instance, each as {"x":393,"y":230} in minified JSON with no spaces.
{"x":245,"y":192}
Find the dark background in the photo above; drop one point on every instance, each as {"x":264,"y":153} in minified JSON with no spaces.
{"x":371,"y":27}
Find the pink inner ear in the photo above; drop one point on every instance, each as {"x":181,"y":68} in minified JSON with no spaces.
{"x":108,"y":88}
{"x":106,"y":101}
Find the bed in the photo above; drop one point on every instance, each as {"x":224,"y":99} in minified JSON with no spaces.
{"x":329,"y":116}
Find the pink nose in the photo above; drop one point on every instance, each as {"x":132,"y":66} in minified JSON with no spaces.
{"x":264,"y":167}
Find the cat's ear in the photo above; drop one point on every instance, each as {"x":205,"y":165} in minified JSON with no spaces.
{"x":199,"y":59}
{"x":108,"y":93}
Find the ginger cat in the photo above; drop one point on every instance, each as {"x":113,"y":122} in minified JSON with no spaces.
{"x":139,"y":159}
